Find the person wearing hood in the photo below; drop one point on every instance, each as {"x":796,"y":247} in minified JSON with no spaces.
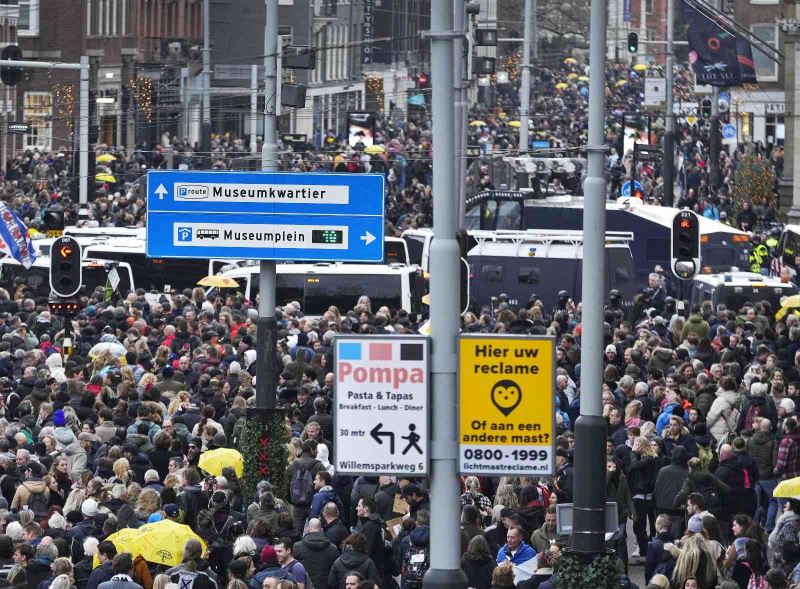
{"x":722,"y":417}
{"x":661,"y":358}
{"x":316,"y":553}
{"x":270,"y":568}
{"x":761,"y":448}
{"x":696,"y":324}
{"x":677,"y":434}
{"x":55,"y":364}
{"x":669,"y":481}
{"x":354,"y":558}
{"x":324,"y":493}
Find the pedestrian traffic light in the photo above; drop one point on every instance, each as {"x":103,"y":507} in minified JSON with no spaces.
{"x":66,"y":273}
{"x":685,"y":253}
{"x":705,"y":109}
{"x":633,"y":42}
{"x":11,"y":75}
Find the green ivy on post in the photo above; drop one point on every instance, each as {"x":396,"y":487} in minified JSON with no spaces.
{"x":263,"y":445}
{"x":601,"y":571}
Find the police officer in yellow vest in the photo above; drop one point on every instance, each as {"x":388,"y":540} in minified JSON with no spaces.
{"x":759,"y":255}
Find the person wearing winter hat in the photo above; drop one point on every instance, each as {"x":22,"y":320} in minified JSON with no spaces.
{"x":270,"y":568}
{"x":84,"y":529}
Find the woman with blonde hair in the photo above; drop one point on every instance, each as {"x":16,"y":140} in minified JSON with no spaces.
{"x":62,"y":582}
{"x":148,"y":503}
{"x":182,"y":398}
{"x":162,"y":582}
{"x":633,"y":413}
{"x":122,"y":472}
{"x":642,"y":481}
{"x":62,"y":566}
{"x":506,"y":497}
{"x":694,"y":559}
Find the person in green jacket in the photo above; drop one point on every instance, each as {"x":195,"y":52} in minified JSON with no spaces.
{"x":696,"y":324}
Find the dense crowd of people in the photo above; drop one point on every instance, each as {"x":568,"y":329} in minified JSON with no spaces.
{"x":700,"y":403}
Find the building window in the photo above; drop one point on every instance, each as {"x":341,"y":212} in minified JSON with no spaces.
{"x":38,"y":111}
{"x":766,"y":68}
{"x":28,"y":21}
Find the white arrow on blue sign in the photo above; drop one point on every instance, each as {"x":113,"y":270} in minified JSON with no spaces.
{"x":265,"y":216}
{"x":626,"y":188}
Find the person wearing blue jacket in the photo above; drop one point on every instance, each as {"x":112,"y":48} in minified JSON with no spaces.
{"x":515,"y":550}
{"x":324,"y":494}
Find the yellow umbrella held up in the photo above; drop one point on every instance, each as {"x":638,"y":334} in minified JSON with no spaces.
{"x":218,"y":281}
{"x":583,"y":78}
{"x":514,"y":124}
{"x":570,"y":60}
{"x":106,"y":157}
{"x":105,"y":178}
{"x":373,"y":149}
{"x":572,"y":75}
{"x":561,"y":85}
{"x":477,"y":123}
{"x":162,"y":542}
{"x":213,"y":461}
{"x":788,"y":489}
{"x":640,"y":67}
{"x":621,"y":83}
{"x":788,"y":304}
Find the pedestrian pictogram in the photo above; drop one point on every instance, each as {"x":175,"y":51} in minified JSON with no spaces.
{"x":381,"y":411}
{"x":506,"y":396}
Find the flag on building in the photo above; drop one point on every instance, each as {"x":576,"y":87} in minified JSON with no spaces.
{"x":718,"y":56}
{"x":14,"y":238}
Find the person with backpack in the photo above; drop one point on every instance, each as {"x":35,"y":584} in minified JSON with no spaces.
{"x":372,"y":527}
{"x":659,"y":560}
{"x":302,"y":472}
{"x":711,"y":490}
{"x":415,"y":553}
{"x":32,"y":492}
{"x":741,"y":482}
{"x":283,"y":549}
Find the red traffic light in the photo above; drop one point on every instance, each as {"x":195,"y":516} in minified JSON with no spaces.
{"x":685,"y":224}
{"x":422,"y":79}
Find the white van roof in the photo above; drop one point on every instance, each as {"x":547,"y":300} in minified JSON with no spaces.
{"x":324,"y":268}
{"x":740,"y":279}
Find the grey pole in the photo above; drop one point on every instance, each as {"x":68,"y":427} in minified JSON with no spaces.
{"x":267,"y":325}
{"x":669,"y":116}
{"x":714,"y":134}
{"x":460,"y":131}
{"x":445,"y":570}
{"x":83,"y":135}
{"x":590,"y":429}
{"x":525,"y":83}
{"x":463,"y":105}
{"x":253,"y":109}
{"x":205,"y":127}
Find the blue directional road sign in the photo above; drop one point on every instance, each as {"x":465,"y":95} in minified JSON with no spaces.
{"x":626,"y":188}
{"x":317,"y":217}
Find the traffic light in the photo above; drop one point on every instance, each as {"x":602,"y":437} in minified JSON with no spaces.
{"x":685,"y":254}
{"x":11,"y":75}
{"x":633,"y":42}
{"x":705,"y":109}
{"x":66,"y":273}
{"x":423,"y":81}
{"x":54,"y":221}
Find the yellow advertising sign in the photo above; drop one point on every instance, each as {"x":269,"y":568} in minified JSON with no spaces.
{"x":506,"y":412}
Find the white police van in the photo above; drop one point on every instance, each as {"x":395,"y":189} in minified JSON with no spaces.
{"x":734,"y":289}
{"x":318,"y":286}
{"x":37,"y":277}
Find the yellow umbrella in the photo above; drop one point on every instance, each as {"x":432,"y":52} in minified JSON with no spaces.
{"x":372,"y":149}
{"x":515,"y":124}
{"x":121,"y":540}
{"x":572,"y":75}
{"x":583,"y":78}
{"x":477,"y":123}
{"x":106,"y":157}
{"x":621,"y":82}
{"x":788,"y":489}
{"x":640,"y":67}
{"x":105,"y":178}
{"x":213,"y":461}
{"x":162,"y":542}
{"x":570,"y":60}
{"x":218,"y":281}
{"x":788,"y":304}
{"x":561,"y":85}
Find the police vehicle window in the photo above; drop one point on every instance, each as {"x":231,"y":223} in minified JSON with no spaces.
{"x":178,"y":274}
{"x":96,"y":275}
{"x":719,"y":258}
{"x":343,"y":291}
{"x":472,"y":219}
{"x":620,"y":260}
{"x":657,"y":249}
{"x":288,"y":288}
{"x":790,"y":248}
{"x":492,"y":273}
{"x":417,"y":287}
{"x":415,"y":244}
{"x":508,"y":215}
{"x":529,"y":275}
{"x":37,"y":279}
{"x":489,"y":215}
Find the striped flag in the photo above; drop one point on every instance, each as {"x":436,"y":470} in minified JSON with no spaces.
{"x":14,"y":238}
